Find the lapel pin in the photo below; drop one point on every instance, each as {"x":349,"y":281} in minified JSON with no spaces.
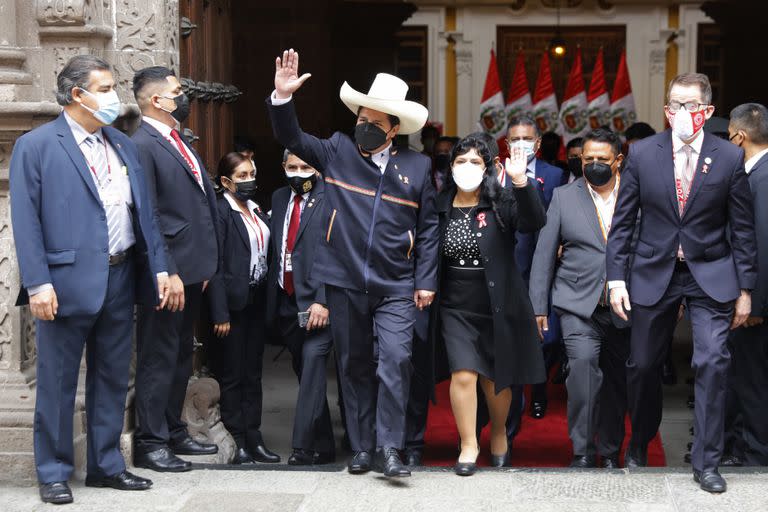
{"x":405,"y":180}
{"x":707,"y":160}
{"x":395,"y":166}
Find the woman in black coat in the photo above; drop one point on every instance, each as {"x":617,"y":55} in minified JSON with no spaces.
{"x":483,"y":319}
{"x":237,"y":298}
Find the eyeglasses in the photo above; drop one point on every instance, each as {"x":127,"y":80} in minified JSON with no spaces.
{"x":690,"y":106}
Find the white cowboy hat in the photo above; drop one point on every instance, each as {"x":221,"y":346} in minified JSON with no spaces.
{"x":387,"y":94}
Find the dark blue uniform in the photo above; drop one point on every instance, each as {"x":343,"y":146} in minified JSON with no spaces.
{"x":380,"y":244}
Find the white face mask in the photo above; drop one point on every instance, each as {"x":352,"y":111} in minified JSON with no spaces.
{"x":109,"y":106}
{"x":526,"y":147}
{"x":468,"y":176}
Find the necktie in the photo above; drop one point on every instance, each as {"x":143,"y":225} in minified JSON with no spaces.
{"x":293,"y":229}
{"x":182,"y":149}
{"x":686,"y":176}
{"x":100,"y":167}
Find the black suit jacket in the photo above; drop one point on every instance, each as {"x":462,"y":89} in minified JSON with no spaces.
{"x":310,"y":236}
{"x":187,"y":215}
{"x":758,"y":183}
{"x":228,"y":289}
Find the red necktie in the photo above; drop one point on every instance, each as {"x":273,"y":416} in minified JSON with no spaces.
{"x":293,"y":229}
{"x":175,"y":135}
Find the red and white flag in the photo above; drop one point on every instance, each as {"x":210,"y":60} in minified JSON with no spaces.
{"x":493,"y":118}
{"x":599,"y":104}
{"x":573,"y":111}
{"x":622,"y":102}
{"x":544,"y":109}
{"x":519,"y":96}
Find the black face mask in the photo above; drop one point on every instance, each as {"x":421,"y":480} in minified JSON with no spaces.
{"x":245,"y":190}
{"x":442,"y":162}
{"x":182,"y":108}
{"x":301,"y":185}
{"x":574,"y":166}
{"x":598,"y":173}
{"x":369,"y":136}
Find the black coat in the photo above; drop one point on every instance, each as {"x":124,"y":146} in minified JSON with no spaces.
{"x":518,"y":356}
{"x":229,"y":288}
{"x":311,"y":232}
{"x":758,"y":184}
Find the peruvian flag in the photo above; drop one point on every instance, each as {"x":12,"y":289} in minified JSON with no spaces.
{"x":493,"y":119}
{"x":544,"y":108}
{"x":599,"y":107}
{"x":519,"y":96}
{"x":573,"y":111}
{"x":622,"y":102}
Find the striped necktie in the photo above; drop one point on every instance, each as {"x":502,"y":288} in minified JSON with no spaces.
{"x":100,"y":168}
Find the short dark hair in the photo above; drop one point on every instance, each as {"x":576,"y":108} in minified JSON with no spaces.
{"x":393,"y":119}
{"x":639,"y":130}
{"x":576,"y":142}
{"x":243,"y":143}
{"x":523,"y":121}
{"x":687,"y":79}
{"x":149,"y":76}
{"x":77,"y":73}
{"x":228,"y":164}
{"x":753,"y":119}
{"x":606,"y":136}
{"x":486,"y":137}
{"x":550,"y":146}
{"x":429,"y":129}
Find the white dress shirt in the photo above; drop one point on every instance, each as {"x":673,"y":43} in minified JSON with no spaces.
{"x":605,"y":207}
{"x":286,"y":223}
{"x":258,"y":236}
{"x":165,"y":131}
{"x":752,"y":162}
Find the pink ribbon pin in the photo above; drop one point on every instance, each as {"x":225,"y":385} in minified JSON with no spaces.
{"x":481,"y":220}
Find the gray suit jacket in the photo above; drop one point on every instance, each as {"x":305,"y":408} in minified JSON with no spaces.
{"x":578,"y":278}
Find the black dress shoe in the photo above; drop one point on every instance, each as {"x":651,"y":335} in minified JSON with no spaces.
{"x":360,"y":463}
{"x":413,"y":457}
{"x":57,"y":493}
{"x":610,"y":462}
{"x":731,"y":461}
{"x":710,"y":480}
{"x":123,"y":481}
{"x":189,"y":446}
{"x":538,"y":409}
{"x":634,"y":459}
{"x":501,"y":461}
{"x":301,"y":457}
{"x":242,"y":456}
{"x":465,"y":468}
{"x":261,"y":453}
{"x":584,"y":461}
{"x":162,"y":460}
{"x":388,"y":461}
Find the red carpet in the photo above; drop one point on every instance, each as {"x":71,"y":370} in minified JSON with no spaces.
{"x":540,"y":443}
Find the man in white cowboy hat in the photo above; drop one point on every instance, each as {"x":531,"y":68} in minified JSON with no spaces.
{"x":379,"y":254}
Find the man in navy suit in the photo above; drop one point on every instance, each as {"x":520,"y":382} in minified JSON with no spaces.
{"x":378,"y":256}
{"x":86,"y":232}
{"x":297,"y":228}
{"x":696,"y":243}
{"x":186,"y":204}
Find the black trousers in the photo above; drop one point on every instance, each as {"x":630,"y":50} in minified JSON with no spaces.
{"x":163,"y":368}
{"x":375,"y":393}
{"x":238,"y":363}
{"x":312,"y":428}
{"x":421,"y":383}
{"x":747,"y":385}
{"x":652,"y":327}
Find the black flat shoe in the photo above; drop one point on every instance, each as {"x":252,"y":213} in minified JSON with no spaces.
{"x":465,"y":468}
{"x":360,"y":463}
{"x":189,"y":446}
{"x":123,"y":481}
{"x":387,"y":461}
{"x":301,"y":457}
{"x":538,"y":410}
{"x":261,"y":453}
{"x":242,"y":456}
{"x":710,"y":480}
{"x":162,"y":460}
{"x":501,"y":461}
{"x":583,"y":461}
{"x":610,"y":462}
{"x":413,"y":457}
{"x":634,"y":459}
{"x":57,"y":493}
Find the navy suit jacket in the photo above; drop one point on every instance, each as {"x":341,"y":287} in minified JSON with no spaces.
{"x":719,"y":204}
{"x":548,"y":177}
{"x":187,"y":215}
{"x":758,"y":184}
{"x":229,"y":288}
{"x":381,"y":229}
{"x":308,"y":290}
{"x":60,"y":224}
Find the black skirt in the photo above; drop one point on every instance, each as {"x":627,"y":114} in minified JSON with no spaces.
{"x":466,"y":321}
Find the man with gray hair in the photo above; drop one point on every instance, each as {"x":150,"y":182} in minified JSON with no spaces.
{"x":86,"y":234}
{"x":748,"y":345}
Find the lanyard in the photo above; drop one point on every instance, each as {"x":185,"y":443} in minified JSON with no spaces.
{"x":109,"y":166}
{"x":253,"y":221}
{"x":604,"y":228}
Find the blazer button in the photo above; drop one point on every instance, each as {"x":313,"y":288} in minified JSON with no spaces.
{"x":497,"y":310}
{"x":106,"y":249}
{"x":491,"y":284}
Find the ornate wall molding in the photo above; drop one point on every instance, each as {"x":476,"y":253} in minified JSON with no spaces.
{"x":61,"y":13}
{"x":210,"y":91}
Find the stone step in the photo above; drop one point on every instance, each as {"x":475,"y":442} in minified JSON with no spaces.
{"x":18,"y":467}
{"x":16,"y":439}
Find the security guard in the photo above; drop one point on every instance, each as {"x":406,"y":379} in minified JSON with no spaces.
{"x":379,"y":254}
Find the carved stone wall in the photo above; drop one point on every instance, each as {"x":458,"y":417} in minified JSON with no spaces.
{"x":37,"y":37}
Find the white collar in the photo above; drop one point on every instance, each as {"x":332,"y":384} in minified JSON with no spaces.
{"x":381,"y":154}
{"x":677,"y":142}
{"x":532,"y":165}
{"x":160,"y":126}
{"x":304,"y":196}
{"x":81,"y":133}
{"x":752,"y":162}
{"x":252,"y":207}
{"x":596,"y":195}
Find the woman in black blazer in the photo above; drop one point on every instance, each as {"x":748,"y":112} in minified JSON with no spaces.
{"x":237,"y":298}
{"x":484,"y":320}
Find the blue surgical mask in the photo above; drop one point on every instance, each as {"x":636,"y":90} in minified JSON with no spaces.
{"x":109,"y":106}
{"x":527,"y":146}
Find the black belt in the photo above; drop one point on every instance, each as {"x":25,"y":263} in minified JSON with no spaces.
{"x":681,"y":265}
{"x":120,"y":257}
{"x":472,"y":263}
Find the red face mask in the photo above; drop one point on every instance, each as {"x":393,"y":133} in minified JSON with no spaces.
{"x":687,"y":124}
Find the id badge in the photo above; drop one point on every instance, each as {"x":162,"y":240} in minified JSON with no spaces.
{"x":112,"y":199}
{"x":288,"y":264}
